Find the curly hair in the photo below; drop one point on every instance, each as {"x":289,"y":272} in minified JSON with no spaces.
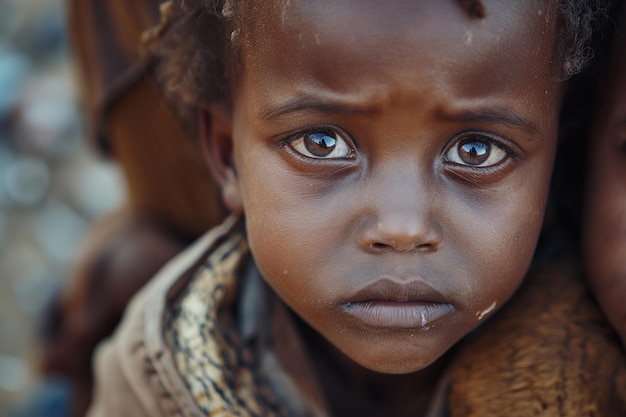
{"x":194,"y":47}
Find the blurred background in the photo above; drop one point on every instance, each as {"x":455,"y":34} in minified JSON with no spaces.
{"x":53,"y":185}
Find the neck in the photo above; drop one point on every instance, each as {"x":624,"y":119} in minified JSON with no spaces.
{"x":351,"y":389}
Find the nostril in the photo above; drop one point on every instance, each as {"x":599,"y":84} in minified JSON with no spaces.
{"x":379,"y":246}
{"x":391,"y":237}
{"x":426,"y":247}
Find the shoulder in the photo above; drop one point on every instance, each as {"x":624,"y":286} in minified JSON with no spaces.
{"x":135,"y":373}
{"x":549,"y":351}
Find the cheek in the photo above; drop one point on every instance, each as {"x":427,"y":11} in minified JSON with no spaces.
{"x":500,"y":254}
{"x":496,"y":235}
{"x":604,"y":232}
{"x":604,"y":236}
{"x":607,"y":226}
{"x":604,"y":228}
{"x":292,"y":228}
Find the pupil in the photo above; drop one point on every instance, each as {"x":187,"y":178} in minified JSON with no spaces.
{"x":320,"y":144}
{"x":474,"y":153}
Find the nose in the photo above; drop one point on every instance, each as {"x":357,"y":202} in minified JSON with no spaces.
{"x":398,"y":233}
{"x":402,"y":218}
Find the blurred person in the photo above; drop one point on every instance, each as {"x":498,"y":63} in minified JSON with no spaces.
{"x":171,"y":196}
{"x":604,"y":239}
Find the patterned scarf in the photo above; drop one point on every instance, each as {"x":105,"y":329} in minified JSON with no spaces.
{"x":200,"y":329}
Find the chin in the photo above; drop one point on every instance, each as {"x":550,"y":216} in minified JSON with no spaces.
{"x":400,"y":368}
{"x":397,"y":361}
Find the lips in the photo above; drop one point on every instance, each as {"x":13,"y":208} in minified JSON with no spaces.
{"x":386,"y":303}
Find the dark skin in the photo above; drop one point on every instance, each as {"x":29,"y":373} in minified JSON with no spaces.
{"x":392,"y":162}
{"x":605,"y":215}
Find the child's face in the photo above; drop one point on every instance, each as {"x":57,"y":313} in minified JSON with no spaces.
{"x":605,"y":215}
{"x":392,"y":160}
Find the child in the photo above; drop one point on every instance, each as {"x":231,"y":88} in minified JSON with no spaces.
{"x":605,"y":221}
{"x":387,"y":165}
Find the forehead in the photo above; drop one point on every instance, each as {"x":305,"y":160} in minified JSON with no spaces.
{"x":396,"y":19}
{"x":341,"y":44}
{"x":346,"y":24}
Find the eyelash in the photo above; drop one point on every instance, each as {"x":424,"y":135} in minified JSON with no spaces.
{"x":344,"y":144}
{"x":479,"y":137}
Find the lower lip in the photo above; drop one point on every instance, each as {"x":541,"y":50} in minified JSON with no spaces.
{"x":401,"y":315}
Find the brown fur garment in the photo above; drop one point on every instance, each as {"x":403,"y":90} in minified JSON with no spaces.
{"x":549,"y":353}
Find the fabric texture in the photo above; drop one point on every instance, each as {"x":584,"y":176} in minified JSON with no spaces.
{"x":549,"y":352}
{"x":136,"y":374}
{"x":202,"y":333}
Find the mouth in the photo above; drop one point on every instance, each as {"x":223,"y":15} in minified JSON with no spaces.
{"x":386,"y":303}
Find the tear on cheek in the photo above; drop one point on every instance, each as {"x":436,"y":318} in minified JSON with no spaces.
{"x":482,"y":314}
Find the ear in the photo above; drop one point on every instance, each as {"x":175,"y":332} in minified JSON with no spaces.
{"x":216,"y":139}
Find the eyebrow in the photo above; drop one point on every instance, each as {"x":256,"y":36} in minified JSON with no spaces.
{"x":310,"y":103}
{"x":496,"y":115}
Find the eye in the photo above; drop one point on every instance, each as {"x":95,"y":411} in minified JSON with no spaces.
{"x":322,"y":145}
{"x":475,"y":151}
